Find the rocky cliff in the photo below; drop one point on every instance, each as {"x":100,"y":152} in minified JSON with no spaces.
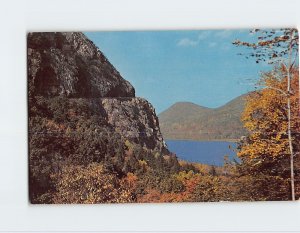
{"x":70,"y":66}
{"x":135,"y":119}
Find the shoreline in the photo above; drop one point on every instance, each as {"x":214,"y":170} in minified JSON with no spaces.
{"x":201,"y":140}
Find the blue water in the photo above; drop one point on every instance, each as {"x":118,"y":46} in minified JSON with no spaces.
{"x":206,"y":152}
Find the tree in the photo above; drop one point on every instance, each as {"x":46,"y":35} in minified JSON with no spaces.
{"x":265,"y":152}
{"x":278,"y":47}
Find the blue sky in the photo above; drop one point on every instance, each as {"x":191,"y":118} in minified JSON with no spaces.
{"x":166,"y":67}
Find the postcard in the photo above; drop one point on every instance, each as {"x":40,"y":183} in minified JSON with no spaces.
{"x":163,"y":116}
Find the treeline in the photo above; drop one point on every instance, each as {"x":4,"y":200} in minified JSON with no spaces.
{"x":74,"y":154}
{"x":76,"y":157}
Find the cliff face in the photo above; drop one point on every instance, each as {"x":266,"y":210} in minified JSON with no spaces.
{"x":135,"y":119}
{"x":70,"y":66}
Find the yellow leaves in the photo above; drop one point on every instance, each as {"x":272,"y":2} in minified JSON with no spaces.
{"x":183,"y":175}
{"x":128,"y":144}
{"x":131,"y":179}
{"x":90,"y":184}
{"x":156,"y":155}
{"x":142,"y":163}
{"x":265,"y":116}
{"x":266,"y":107}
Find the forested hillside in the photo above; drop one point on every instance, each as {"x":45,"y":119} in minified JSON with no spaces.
{"x":193,"y":122}
{"x":85,"y":123}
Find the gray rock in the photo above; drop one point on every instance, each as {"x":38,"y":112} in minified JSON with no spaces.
{"x":135,"y":119}
{"x":70,"y":64}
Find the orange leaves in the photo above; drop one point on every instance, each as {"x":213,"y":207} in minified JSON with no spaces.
{"x":265,"y":116}
{"x":271,"y":46}
{"x":131,"y":179}
{"x":190,"y":184}
{"x":154,"y":196}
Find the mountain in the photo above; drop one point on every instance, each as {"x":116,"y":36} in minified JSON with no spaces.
{"x":185,"y":120}
{"x":83,"y":114}
{"x":70,"y":64}
{"x":67,"y":65}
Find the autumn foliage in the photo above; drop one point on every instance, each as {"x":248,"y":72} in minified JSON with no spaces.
{"x":75,"y":157}
{"x":90,"y":184}
{"x":265,"y":152}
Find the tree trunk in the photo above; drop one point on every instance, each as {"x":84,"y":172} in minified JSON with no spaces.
{"x":291,"y":149}
{"x":289,"y":77}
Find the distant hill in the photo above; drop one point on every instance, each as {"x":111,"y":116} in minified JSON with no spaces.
{"x":185,"y":120}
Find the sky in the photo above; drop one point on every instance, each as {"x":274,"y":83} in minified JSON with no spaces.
{"x":165,"y":67}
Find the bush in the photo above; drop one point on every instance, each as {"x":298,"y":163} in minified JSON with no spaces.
{"x":90,"y":185}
